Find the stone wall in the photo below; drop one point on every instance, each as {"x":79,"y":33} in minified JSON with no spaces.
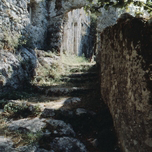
{"x":39,"y":23}
{"x":13,"y":18}
{"x":126,"y":84}
{"x":23,"y":22}
{"x":69,"y":28}
{"x":77,"y":35}
{"x":16,"y":70}
{"x":109,"y":17}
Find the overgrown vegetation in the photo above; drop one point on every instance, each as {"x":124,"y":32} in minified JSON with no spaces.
{"x":18,"y":110}
{"x":12,"y":41}
{"x":51,"y":74}
{"x":20,"y":137}
{"x":21,"y":110}
{"x":48,"y":75}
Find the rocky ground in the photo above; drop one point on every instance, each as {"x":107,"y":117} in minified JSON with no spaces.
{"x":65,"y":117}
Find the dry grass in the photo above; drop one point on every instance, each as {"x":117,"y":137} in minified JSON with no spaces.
{"x":19,"y":138}
{"x":3,"y":125}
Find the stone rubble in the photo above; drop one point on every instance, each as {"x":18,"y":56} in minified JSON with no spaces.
{"x":67,"y":144}
{"x":67,"y":127}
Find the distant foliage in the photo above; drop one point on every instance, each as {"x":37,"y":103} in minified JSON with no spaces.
{"x":95,"y":6}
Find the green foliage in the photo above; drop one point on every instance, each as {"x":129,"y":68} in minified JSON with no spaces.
{"x":48,"y":74}
{"x":93,"y":18}
{"x":94,"y":7}
{"x":148,"y":7}
{"x":22,"y":109}
{"x":32,"y":137}
{"x":73,"y":59}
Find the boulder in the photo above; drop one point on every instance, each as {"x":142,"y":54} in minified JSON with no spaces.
{"x":67,"y":144}
{"x":16,"y":69}
{"x":27,"y":125}
{"x":59,"y":128}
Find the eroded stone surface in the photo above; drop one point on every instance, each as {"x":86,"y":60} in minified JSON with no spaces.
{"x":72,"y":101}
{"x":126,"y":81}
{"x":110,"y":16}
{"x":32,"y":125}
{"x":81,"y":111}
{"x":6,"y":145}
{"x":59,"y":127}
{"x":14,"y":70}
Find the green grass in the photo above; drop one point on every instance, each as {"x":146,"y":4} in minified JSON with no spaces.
{"x":73,"y":59}
{"x":48,"y":75}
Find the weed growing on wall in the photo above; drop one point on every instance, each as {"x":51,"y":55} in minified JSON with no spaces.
{"x":33,"y":137}
{"x":12,"y":41}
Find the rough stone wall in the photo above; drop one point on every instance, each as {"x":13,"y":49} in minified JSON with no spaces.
{"x":77,"y":36}
{"x":109,"y":17}
{"x":37,"y":25}
{"x":126,"y":82}
{"x":69,"y":28}
{"x":16,"y":70}
{"x":13,"y":18}
{"x":37,"y":28}
{"x":23,"y":21}
{"x":44,"y":24}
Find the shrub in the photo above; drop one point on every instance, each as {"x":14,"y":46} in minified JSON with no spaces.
{"x":21,"y":110}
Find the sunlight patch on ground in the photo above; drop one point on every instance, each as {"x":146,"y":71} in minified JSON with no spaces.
{"x":56,"y":104}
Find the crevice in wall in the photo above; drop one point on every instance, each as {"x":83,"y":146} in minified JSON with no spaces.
{"x":58,"y":4}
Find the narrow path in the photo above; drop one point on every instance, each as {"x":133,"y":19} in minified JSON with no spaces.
{"x":81,"y":106}
{"x":73,"y":116}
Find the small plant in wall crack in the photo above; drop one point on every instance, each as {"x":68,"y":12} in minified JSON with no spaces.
{"x":12,"y":40}
{"x":31,"y":137}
